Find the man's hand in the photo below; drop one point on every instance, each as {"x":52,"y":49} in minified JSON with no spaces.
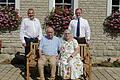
{"x":24,"y":44}
{"x":88,"y":42}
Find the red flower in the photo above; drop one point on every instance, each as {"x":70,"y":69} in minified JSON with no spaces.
{"x":59,"y":19}
{"x":9,"y":19}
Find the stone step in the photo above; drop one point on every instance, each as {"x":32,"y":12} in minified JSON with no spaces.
{"x":12,"y":50}
{"x":10,"y":39}
{"x":12,"y":45}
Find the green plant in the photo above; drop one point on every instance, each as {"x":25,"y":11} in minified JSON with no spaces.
{"x":108,"y":63}
{"x":112,"y":24}
{"x":9,"y":19}
{"x":59,"y":19}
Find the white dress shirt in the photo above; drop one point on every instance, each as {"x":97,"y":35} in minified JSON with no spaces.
{"x":30,"y":29}
{"x":84,"y":28}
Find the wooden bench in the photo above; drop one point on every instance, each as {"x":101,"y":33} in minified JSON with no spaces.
{"x":85,"y":54}
{"x":33,"y":56}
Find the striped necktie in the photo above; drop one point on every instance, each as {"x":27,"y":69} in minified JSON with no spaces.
{"x":78,"y":28}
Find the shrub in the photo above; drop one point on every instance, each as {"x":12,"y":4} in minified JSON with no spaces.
{"x":59,"y":19}
{"x":9,"y":19}
{"x":112,"y":24}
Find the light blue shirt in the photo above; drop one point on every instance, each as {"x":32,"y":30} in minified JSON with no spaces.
{"x":50,"y":46}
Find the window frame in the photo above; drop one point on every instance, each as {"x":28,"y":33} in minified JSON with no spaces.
{"x":109,"y":7}
{"x":17,"y":3}
{"x":52,"y":5}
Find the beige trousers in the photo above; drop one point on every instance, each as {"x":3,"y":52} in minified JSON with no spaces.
{"x":44,"y":59}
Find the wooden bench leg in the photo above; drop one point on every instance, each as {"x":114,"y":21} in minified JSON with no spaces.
{"x":28,"y":71}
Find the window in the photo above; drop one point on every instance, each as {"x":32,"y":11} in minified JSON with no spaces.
{"x":14,"y":3}
{"x":113,"y":5}
{"x":63,"y":3}
{"x":7,"y":2}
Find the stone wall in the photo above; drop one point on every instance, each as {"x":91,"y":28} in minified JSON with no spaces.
{"x":11,"y":42}
{"x":40,"y":7}
{"x":102,"y":45}
{"x":94,"y":11}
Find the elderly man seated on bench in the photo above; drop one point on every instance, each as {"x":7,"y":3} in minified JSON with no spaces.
{"x":48,"y":50}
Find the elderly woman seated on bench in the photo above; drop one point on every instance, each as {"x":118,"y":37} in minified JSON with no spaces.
{"x":48,"y":50}
{"x":70,"y":65}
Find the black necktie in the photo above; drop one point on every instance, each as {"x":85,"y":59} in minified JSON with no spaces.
{"x":78,"y":28}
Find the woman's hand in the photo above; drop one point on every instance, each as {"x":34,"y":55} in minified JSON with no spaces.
{"x":69,"y":58}
{"x":57,"y":57}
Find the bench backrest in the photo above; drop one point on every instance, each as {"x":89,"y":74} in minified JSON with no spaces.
{"x":34,"y":49}
{"x":84,"y":51}
{"x":85,"y":54}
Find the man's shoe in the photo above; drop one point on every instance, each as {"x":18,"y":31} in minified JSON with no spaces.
{"x":40,"y":78}
{"x":51,"y":78}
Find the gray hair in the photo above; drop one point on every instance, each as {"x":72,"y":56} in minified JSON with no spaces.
{"x":67,"y":30}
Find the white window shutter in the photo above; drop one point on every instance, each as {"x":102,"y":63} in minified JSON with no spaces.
{"x":17,"y":4}
{"x":109,"y":7}
{"x":51,"y":5}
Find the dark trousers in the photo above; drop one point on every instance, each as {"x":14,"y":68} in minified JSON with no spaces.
{"x":27,"y":48}
{"x":28,"y":41}
{"x":81,"y":40}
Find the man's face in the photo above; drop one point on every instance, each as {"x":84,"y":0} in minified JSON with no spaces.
{"x":50,"y":33}
{"x":78,"y":13}
{"x":31,"y":14}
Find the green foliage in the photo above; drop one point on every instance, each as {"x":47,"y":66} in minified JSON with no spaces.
{"x":116,"y":63}
{"x":108,"y":63}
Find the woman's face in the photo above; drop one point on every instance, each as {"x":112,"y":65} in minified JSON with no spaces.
{"x":67,"y":35}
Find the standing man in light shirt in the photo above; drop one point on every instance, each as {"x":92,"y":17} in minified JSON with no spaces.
{"x":30,"y":30}
{"x":80,"y":28}
{"x":48,"y":51}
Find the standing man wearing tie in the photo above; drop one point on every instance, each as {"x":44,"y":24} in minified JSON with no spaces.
{"x":80,"y":28}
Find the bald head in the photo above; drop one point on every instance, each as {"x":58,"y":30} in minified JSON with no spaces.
{"x":50,"y":32}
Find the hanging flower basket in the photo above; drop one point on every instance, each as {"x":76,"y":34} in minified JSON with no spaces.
{"x":9,"y":19}
{"x":112,"y":24}
{"x":59,"y":19}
